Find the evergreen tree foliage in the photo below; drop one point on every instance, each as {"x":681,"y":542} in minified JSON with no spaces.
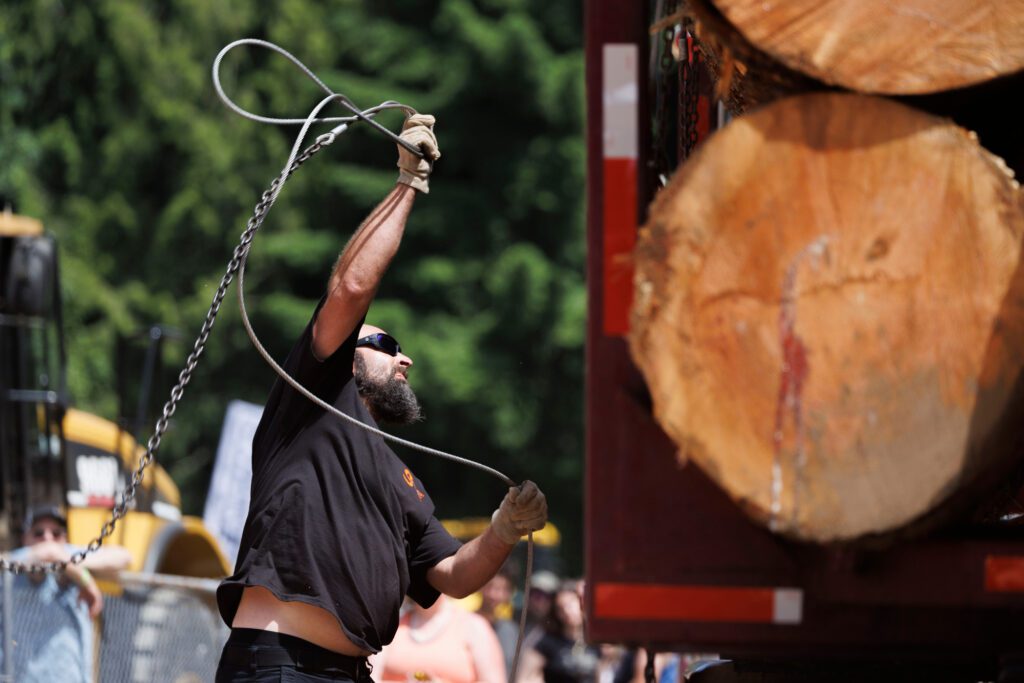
{"x":111,"y":133}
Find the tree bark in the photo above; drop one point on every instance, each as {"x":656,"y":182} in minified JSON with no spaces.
{"x":745,"y":77}
{"x":829,"y":314}
{"x":882,"y":46}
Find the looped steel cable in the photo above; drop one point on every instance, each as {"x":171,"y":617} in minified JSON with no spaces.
{"x":344,"y":121}
{"x":237,"y":265}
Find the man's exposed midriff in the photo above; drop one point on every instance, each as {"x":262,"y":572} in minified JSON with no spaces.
{"x":260,"y":609}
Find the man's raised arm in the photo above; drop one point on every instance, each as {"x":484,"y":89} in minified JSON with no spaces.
{"x":362,"y":263}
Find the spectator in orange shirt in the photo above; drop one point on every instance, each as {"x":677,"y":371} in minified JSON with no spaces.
{"x":441,"y":644}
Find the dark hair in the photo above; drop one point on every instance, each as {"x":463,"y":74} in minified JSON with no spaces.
{"x":510,"y":570}
{"x":554,"y":624}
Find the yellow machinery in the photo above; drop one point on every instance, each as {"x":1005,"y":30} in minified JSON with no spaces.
{"x":159,"y":537}
{"x":51,"y":453}
{"x":546,"y":541}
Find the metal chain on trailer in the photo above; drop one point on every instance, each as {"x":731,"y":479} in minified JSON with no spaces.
{"x":676,"y":66}
{"x":664,"y":81}
{"x":689,"y":90}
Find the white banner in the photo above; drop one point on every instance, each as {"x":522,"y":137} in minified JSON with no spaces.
{"x":227,"y":502}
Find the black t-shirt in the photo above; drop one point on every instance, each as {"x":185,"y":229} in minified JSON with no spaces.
{"x":335,"y":520}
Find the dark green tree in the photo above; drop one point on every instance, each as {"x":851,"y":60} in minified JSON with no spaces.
{"x":111,"y":133}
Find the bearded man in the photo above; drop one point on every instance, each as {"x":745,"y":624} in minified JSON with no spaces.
{"x":339,"y":530}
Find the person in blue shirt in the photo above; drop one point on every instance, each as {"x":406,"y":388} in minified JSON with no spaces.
{"x":52,"y":614}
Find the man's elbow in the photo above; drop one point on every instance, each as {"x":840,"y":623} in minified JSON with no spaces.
{"x":462,"y":587}
{"x":458,"y":592}
{"x":352,"y":288}
{"x":446,"y":581}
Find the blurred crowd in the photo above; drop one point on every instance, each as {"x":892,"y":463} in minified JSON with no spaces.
{"x":474,"y":640}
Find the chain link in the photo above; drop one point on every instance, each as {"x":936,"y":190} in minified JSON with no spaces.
{"x":662,"y":133}
{"x":153,"y":445}
{"x":689,"y":92}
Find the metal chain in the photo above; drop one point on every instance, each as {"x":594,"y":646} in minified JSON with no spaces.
{"x":128,"y":495}
{"x":689,"y":94}
{"x":662,"y":133}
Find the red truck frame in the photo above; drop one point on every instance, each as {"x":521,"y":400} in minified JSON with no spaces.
{"x":671,"y":562}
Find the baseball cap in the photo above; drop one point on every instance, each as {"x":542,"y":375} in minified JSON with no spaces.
{"x":44,"y":512}
{"x":545,"y":581}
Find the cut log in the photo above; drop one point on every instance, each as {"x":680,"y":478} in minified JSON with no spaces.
{"x":829,"y":314}
{"x":885,"y":46}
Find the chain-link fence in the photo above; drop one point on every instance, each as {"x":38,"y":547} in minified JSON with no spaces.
{"x":158,"y":629}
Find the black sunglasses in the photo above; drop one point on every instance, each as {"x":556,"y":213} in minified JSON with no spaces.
{"x":381,"y":342}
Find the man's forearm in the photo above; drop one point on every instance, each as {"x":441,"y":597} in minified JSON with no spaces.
{"x":368,"y":253}
{"x":471,"y":567}
{"x":359,"y":270}
{"x":523,"y":509}
{"x":107,"y":561}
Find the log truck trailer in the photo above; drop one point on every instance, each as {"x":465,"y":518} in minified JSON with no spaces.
{"x":672,"y":563}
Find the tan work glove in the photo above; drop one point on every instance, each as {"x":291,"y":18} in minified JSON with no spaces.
{"x":523,"y":510}
{"x":417,"y":131}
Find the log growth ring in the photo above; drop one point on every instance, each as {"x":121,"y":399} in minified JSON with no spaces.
{"x":829,"y":312}
{"x":881,"y":46}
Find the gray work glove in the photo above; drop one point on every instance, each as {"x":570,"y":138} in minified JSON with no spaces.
{"x":523,"y":510}
{"x":413,"y":171}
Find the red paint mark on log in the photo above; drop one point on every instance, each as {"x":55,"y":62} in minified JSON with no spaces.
{"x":794,"y":363}
{"x":791,"y":382}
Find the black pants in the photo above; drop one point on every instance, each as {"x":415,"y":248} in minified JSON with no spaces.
{"x":254,"y":656}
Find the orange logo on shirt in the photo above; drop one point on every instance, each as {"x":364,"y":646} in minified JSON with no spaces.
{"x":407,"y":476}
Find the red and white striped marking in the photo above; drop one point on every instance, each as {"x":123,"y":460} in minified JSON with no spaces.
{"x":1004,"y":574}
{"x":621,"y":98}
{"x":733,"y":604}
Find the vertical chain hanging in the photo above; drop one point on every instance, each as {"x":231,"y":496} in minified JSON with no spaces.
{"x":689,"y":91}
{"x":663,"y":63}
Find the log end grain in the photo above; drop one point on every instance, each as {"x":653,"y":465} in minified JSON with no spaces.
{"x":829,"y":313}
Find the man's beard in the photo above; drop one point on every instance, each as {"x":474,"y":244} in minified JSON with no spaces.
{"x":390,"y":400}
